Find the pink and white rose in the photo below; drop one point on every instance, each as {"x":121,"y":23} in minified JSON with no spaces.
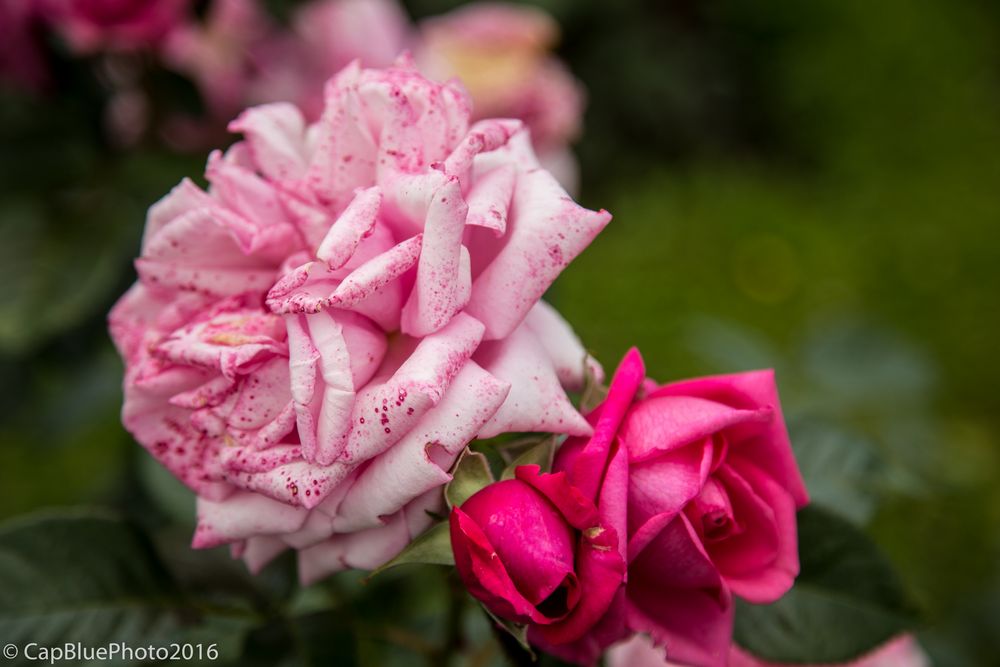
{"x":313,"y":340}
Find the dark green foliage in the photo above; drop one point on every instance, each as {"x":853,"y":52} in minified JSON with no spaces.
{"x":846,"y":601}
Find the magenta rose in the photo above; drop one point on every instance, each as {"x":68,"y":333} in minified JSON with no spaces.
{"x":696,"y":482}
{"x":713,"y":490}
{"x":314,"y":339}
{"x":116,"y":25}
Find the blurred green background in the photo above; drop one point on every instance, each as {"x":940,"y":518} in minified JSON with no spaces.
{"x":809,"y":186}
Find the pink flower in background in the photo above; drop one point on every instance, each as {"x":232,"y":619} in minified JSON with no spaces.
{"x":218,"y":53}
{"x":903,"y":651}
{"x":325,"y":36}
{"x":692,"y":485}
{"x":314,"y":339}
{"x":502,"y":53}
{"x":238,"y":56}
{"x":115,"y":25}
{"x":22,"y":62}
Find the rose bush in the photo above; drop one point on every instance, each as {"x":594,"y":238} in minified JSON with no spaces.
{"x":313,"y":340}
{"x":692,"y":484}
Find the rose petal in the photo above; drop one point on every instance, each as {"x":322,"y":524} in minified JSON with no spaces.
{"x":443,"y":282}
{"x":243,"y":515}
{"x":753,"y":390}
{"x":275,"y":137}
{"x":546,"y":232}
{"x":367,"y":549}
{"x":350,"y":228}
{"x":562,"y":345}
{"x":661,"y":424}
{"x":532,"y":540}
{"x":393,"y":403}
{"x":537,"y":402}
{"x":420,"y":461}
{"x":685,"y":606}
{"x":759,"y":563}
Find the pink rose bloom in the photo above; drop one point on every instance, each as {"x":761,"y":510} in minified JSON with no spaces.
{"x":694,"y":486}
{"x":501,"y":52}
{"x":713,"y":489}
{"x":116,"y":25}
{"x":313,"y":340}
{"x":903,"y":651}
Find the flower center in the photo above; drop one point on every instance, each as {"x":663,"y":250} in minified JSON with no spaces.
{"x":716,"y":525}
{"x":557,"y":604}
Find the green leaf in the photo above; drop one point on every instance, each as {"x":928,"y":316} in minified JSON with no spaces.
{"x":515,"y":630}
{"x":87,"y":576}
{"x":83,"y":576}
{"x":540,"y":454}
{"x":432,"y":547}
{"x":594,"y":392}
{"x":470,"y":474}
{"x":845,"y":602}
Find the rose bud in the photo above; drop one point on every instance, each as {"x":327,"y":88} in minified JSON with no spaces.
{"x":531,"y":579}
{"x":525,"y":547}
{"x":549,"y":549}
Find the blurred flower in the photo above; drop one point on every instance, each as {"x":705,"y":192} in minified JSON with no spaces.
{"x":325,"y":36}
{"x":903,"y":651}
{"x":22,"y":62}
{"x":218,"y":53}
{"x":693,"y":484}
{"x":114,"y":25}
{"x":313,"y":340}
{"x":502,"y":53}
